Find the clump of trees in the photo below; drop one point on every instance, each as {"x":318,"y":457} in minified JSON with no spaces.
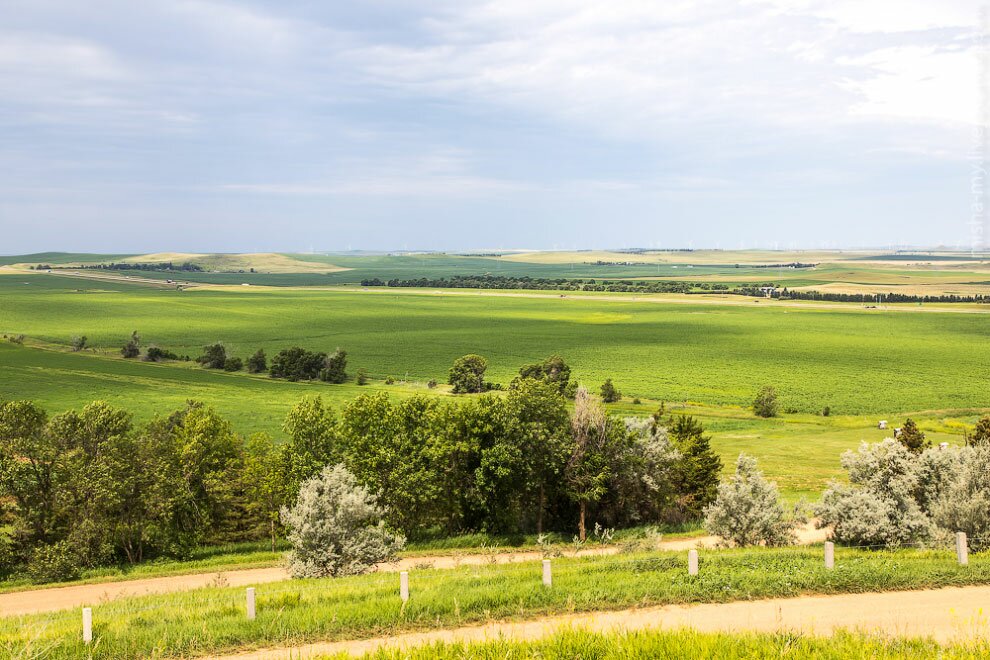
{"x":467,"y":376}
{"x":336,"y":527}
{"x":132,"y":348}
{"x":296,"y":364}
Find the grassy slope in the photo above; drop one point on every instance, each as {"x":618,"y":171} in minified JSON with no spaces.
{"x":207,"y":620}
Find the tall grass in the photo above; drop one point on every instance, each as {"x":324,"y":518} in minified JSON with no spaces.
{"x":213,"y":619}
{"x":691,"y":644}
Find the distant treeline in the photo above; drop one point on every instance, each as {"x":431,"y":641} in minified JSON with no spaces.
{"x":543,"y":284}
{"x":796,"y":264}
{"x":785,"y":294}
{"x":160,"y":266}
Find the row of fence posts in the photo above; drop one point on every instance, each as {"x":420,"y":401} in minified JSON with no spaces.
{"x":962,"y":556}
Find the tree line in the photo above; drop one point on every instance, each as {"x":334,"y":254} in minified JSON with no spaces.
{"x":875,"y":298}
{"x":90,"y":487}
{"x":546,"y":284}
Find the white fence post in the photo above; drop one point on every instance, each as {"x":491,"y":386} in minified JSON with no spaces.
{"x":250,"y":604}
{"x":962,"y":549}
{"x":404,"y":586}
{"x":87,"y":624}
{"x":692,"y":562}
{"x":829,"y":555}
{"x":547,"y":575}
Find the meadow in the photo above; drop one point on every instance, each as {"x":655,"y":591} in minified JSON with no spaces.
{"x":213,"y":620}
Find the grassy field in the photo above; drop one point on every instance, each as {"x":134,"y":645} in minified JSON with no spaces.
{"x":706,"y":360}
{"x":644,"y":645}
{"x":211,"y":620}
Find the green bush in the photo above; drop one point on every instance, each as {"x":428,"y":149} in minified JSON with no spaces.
{"x":56,"y":562}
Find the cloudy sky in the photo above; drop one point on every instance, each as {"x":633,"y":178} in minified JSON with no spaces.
{"x":456,"y":124}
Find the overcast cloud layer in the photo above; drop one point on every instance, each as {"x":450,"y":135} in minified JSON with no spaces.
{"x":389,"y":124}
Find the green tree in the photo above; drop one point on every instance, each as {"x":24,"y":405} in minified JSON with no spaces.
{"x":766,"y":404}
{"x":696,"y":476}
{"x":132,"y":348}
{"x":233,"y":364}
{"x":335,"y":367}
{"x":594,"y":436}
{"x":609,"y":393}
{"x":296,"y":364}
{"x":981,"y":434}
{"x":257,"y":363}
{"x":552,"y":370}
{"x":913,"y":438}
{"x":214,"y":356}
{"x":467,"y":376}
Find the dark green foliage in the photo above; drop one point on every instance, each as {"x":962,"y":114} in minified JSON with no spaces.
{"x":697,"y":473}
{"x":233,"y":364}
{"x":78,"y":343}
{"x":981,"y":434}
{"x":609,"y":392}
{"x":362,"y":377}
{"x":297,"y":364}
{"x":257,"y":363}
{"x":334,"y":367}
{"x":467,"y":376}
{"x":766,"y":404}
{"x":913,"y":438}
{"x":214,"y":356}
{"x":54,"y":563}
{"x":826,"y":411}
{"x":132,"y":348}
{"x":552,"y":370}
{"x":155,"y":354}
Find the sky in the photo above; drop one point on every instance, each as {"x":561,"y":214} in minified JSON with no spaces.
{"x":297,"y":125}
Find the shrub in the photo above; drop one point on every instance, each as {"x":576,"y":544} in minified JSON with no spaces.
{"x":132,"y":348}
{"x":467,"y":376}
{"x":963,"y":505}
{"x":636,"y":401}
{"x":78,"y":343}
{"x":16,"y":339}
{"x":913,"y":438}
{"x":56,"y":562}
{"x":766,"y":404}
{"x":609,"y":393}
{"x":981,"y":434}
{"x":233,"y":364}
{"x":747,"y":510}
{"x":432,"y":384}
{"x":257,"y":363}
{"x":826,"y":411}
{"x":214,"y":356}
{"x":336,"y":527}
{"x":362,"y":377}
{"x":390,"y":380}
{"x":155,"y":354}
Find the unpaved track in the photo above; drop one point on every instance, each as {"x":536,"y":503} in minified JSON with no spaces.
{"x":61,"y":598}
{"x":951,"y":614}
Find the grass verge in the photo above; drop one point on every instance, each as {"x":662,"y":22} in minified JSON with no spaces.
{"x":213,"y":619}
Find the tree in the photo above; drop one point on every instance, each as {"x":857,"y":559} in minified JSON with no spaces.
{"x":981,"y":434}
{"x":609,"y":393}
{"x":335,"y":367}
{"x":336,"y":527}
{"x":78,"y":343}
{"x":257,"y":363}
{"x":766,"y":404}
{"x":132,"y":348}
{"x":297,"y":364}
{"x":314,"y":441}
{"x":697,"y":473}
{"x":747,"y":510}
{"x":214,"y":356}
{"x":913,"y":438}
{"x":233,"y":364}
{"x":586,"y":474}
{"x":155,"y":354}
{"x":551,"y":370}
{"x":467,"y":376}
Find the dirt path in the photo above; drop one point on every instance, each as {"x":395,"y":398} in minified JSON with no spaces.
{"x":946,"y":614}
{"x":60,"y":598}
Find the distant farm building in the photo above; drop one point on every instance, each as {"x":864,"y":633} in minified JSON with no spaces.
{"x":882,"y":425}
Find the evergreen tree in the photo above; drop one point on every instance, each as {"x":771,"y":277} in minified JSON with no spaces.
{"x":913,"y":438}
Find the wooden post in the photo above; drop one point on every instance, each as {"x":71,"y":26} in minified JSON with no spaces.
{"x":829,"y":555}
{"x":962,"y":549}
{"x":692,"y":562}
{"x":87,"y":625}
{"x":547,"y":576}
{"x":250,"y":604}
{"x":404,"y":586}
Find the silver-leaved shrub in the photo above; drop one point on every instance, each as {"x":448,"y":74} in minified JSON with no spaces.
{"x":748,"y":511}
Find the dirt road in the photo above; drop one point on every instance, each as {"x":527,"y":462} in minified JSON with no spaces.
{"x":945,"y":614}
{"x":60,"y":598}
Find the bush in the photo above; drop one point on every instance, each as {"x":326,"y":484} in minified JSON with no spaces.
{"x":233,"y":364}
{"x":747,"y":510}
{"x":964,"y":504}
{"x":390,"y":380}
{"x":56,"y":562}
{"x":78,"y":343}
{"x":766,"y":404}
{"x":16,"y":339}
{"x":432,"y":384}
{"x":257,"y":363}
{"x":336,"y":527}
{"x":467,"y":376}
{"x":826,"y":411}
{"x":132,"y":348}
{"x":981,"y":434}
{"x":609,"y":393}
{"x":362,"y":377}
{"x":155,"y":354}
{"x":913,"y":438}
{"x":214,"y":356}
